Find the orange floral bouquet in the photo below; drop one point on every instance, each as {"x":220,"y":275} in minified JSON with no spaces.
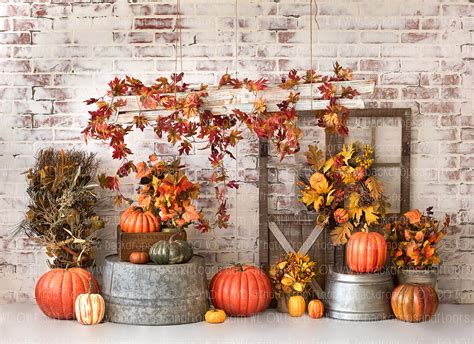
{"x":166,"y":190}
{"x":414,"y":240}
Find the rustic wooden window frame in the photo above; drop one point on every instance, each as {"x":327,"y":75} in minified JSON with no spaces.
{"x":333,"y":144}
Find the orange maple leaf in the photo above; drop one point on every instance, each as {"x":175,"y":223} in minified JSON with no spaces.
{"x":413,"y":216}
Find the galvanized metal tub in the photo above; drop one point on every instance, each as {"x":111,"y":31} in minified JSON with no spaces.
{"x":154,"y":294}
{"x":409,"y":276}
{"x":358,"y":297}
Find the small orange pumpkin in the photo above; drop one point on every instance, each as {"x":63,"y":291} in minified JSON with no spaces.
{"x":139,"y":257}
{"x":215,"y":316}
{"x":341,"y":216}
{"x":316,"y":309}
{"x":296,"y":306}
{"x":136,"y":220}
{"x":89,"y":308}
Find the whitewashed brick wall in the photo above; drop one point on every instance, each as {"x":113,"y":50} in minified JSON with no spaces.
{"x":56,"y":53}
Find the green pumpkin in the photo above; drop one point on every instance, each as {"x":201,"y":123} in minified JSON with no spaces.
{"x":171,"y":252}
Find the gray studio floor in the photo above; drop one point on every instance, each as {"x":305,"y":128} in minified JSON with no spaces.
{"x":24,"y":323}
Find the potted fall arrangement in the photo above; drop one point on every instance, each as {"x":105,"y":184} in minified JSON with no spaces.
{"x":291,"y":277}
{"x":413,"y":245}
{"x":343,"y":191}
{"x":165,"y":208}
{"x":61,"y":218}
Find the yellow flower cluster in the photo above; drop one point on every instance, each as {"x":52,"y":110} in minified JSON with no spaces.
{"x":292,"y":274}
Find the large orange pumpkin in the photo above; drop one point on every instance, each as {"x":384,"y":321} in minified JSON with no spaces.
{"x":414,"y":302}
{"x":136,"y":220}
{"x":56,"y":291}
{"x":241,"y":290}
{"x":366,"y":252}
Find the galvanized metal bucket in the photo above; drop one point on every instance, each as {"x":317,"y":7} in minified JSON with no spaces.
{"x":409,"y":276}
{"x":154,"y":294}
{"x":358,"y":297}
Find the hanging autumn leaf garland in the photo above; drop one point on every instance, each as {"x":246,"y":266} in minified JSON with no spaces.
{"x":343,"y":191}
{"x":188,"y":122}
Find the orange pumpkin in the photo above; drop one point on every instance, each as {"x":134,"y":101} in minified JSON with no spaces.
{"x":366,"y":252}
{"x":90,"y":309}
{"x":215,"y":316}
{"x":296,"y":306}
{"x":341,"y":216}
{"x":56,"y":291}
{"x":241,"y":290}
{"x":139,"y":257}
{"x":136,"y":220}
{"x":316,"y":309}
{"x":414,"y":302}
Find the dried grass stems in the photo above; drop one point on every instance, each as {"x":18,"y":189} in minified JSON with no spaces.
{"x":61,"y":214}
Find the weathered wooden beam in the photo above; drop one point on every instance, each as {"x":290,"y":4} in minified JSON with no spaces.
{"x":224,"y":100}
{"x":310,"y":240}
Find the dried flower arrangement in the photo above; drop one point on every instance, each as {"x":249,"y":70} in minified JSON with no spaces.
{"x":187,"y":121}
{"x":166,"y":190}
{"x":61,"y":214}
{"x":291,"y":274}
{"x":343,"y":190}
{"x":413,"y":241}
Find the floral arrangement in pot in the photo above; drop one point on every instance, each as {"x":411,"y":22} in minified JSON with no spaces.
{"x":413,"y":243}
{"x":343,"y":190}
{"x":291,"y":276}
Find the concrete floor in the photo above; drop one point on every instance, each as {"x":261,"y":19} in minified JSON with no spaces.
{"x":24,"y":323}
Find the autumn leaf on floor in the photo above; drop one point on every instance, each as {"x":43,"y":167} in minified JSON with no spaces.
{"x":315,"y":157}
{"x":341,"y":234}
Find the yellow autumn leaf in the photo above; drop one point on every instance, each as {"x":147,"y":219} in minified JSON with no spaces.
{"x":328,"y":165}
{"x":371,"y":217}
{"x":375,"y":188}
{"x":319,"y":183}
{"x":341,"y":234}
{"x":309,"y":196}
{"x":298,"y":287}
{"x":318,"y":203}
{"x":287,"y":280}
{"x":354,"y":210}
{"x":282,"y":265}
{"x":347,"y":152}
{"x":330,"y":197}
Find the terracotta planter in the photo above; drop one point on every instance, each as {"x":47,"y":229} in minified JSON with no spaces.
{"x":410,"y":276}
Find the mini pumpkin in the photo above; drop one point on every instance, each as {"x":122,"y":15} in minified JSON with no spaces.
{"x":139,"y":257}
{"x":89,"y":308}
{"x":171,"y":252}
{"x":215,"y":316}
{"x":341,"y":216}
{"x":296,"y":306}
{"x":136,"y":220}
{"x":316,"y":309}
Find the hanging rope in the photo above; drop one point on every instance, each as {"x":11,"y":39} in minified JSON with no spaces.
{"x":178,"y":43}
{"x":311,"y":47}
{"x":236,"y":38}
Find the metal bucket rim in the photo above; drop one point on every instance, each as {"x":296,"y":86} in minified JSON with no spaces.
{"x":360,"y":278}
